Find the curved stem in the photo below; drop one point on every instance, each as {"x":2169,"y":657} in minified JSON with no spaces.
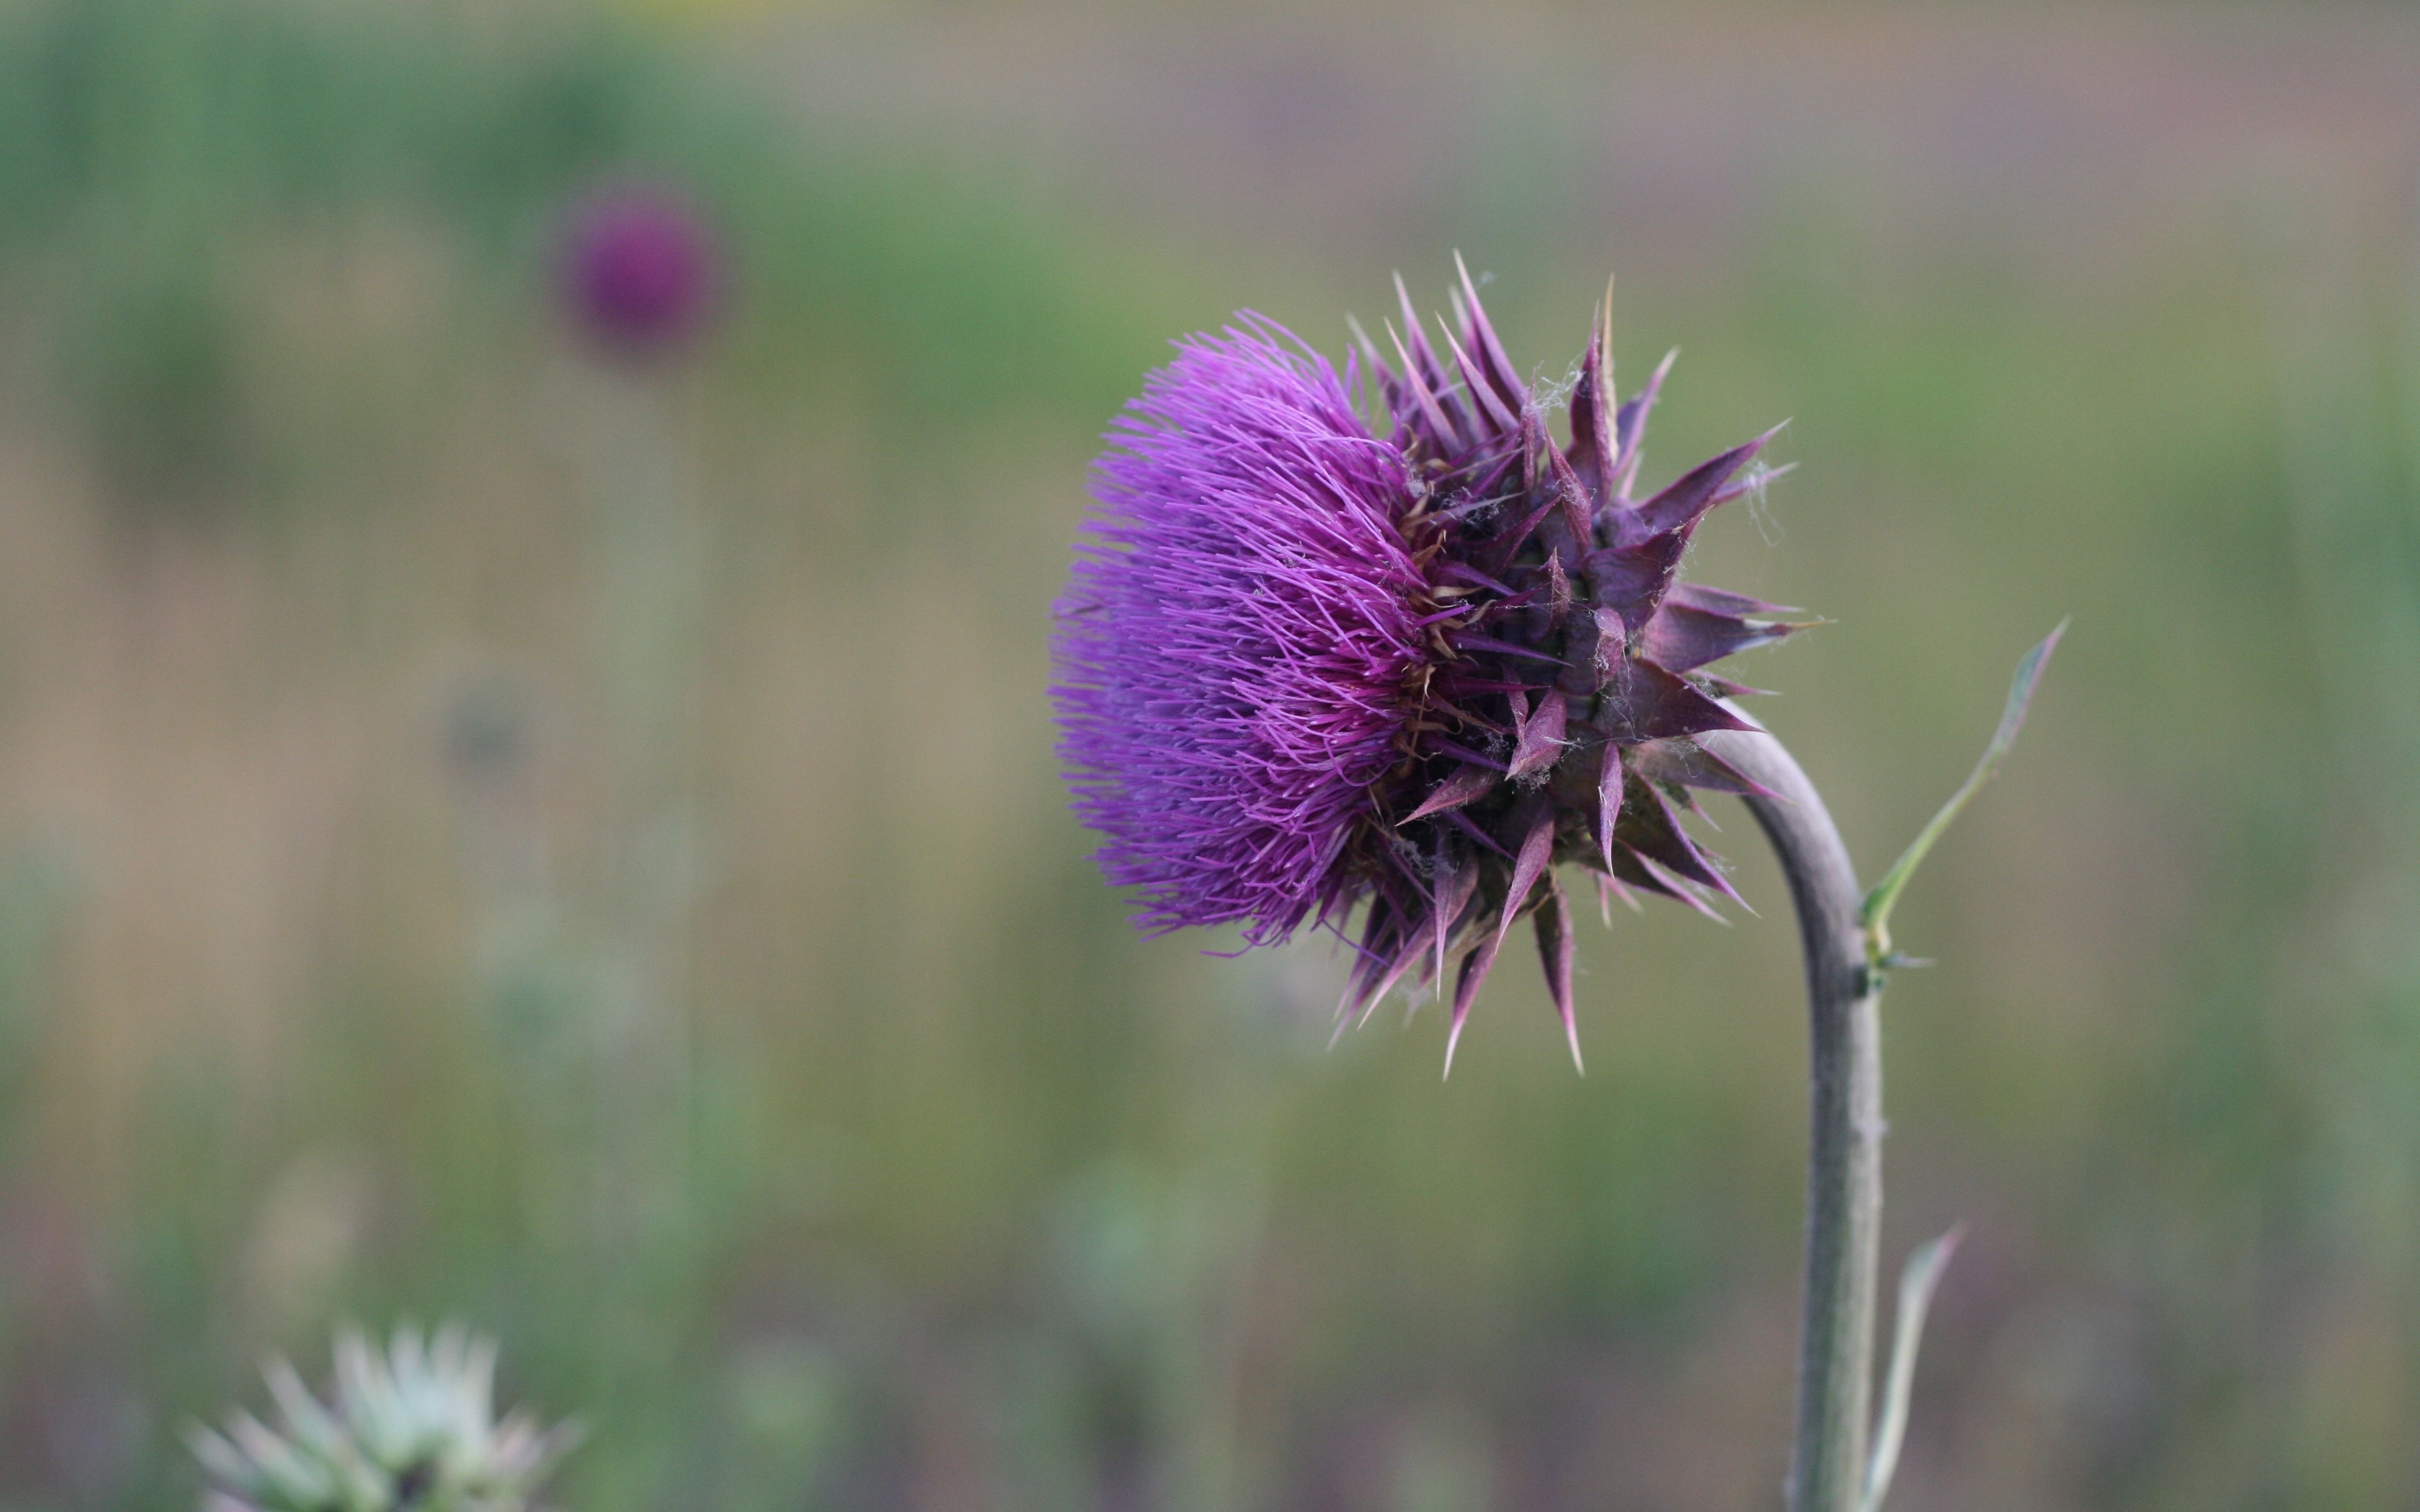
{"x":1844,"y":1179}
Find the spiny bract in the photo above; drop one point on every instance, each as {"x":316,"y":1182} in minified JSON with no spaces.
{"x":1304,"y":666}
{"x":412,"y":1427}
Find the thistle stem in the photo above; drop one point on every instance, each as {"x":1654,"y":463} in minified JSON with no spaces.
{"x":1845,"y":1182}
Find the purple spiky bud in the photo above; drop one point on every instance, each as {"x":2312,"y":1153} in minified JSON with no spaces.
{"x":1311,"y":665}
{"x":640,"y":269}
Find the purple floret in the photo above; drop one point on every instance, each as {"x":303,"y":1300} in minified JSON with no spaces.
{"x":1240,"y":648}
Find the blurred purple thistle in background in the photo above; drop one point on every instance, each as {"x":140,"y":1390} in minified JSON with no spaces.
{"x":1305,"y":666}
{"x":640,"y":269}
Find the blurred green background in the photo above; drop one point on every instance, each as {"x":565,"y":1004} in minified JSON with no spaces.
{"x":492,"y":830}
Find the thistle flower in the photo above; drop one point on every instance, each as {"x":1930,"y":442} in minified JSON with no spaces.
{"x":412,"y":1427}
{"x":1308,"y":665}
{"x":639,"y":268}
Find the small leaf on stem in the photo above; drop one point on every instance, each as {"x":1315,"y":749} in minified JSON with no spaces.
{"x":1875,"y":914}
{"x":1916,"y":1285}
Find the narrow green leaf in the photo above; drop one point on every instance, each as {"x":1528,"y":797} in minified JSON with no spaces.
{"x":1875,"y":914}
{"x":1916,"y":1285}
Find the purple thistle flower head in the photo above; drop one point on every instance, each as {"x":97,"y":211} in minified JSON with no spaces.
{"x":1308,"y":665}
{"x":640,"y":269}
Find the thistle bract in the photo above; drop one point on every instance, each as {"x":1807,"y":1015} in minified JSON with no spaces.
{"x":412,"y":1427}
{"x":1309,"y":664}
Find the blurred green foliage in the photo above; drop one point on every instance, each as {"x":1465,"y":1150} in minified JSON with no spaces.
{"x":158,"y":148}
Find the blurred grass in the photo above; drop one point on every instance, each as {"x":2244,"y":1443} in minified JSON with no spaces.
{"x":489,"y":832}
{"x":169,"y":161}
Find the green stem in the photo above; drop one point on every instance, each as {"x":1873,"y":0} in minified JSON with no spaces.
{"x":1844,"y":1180}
